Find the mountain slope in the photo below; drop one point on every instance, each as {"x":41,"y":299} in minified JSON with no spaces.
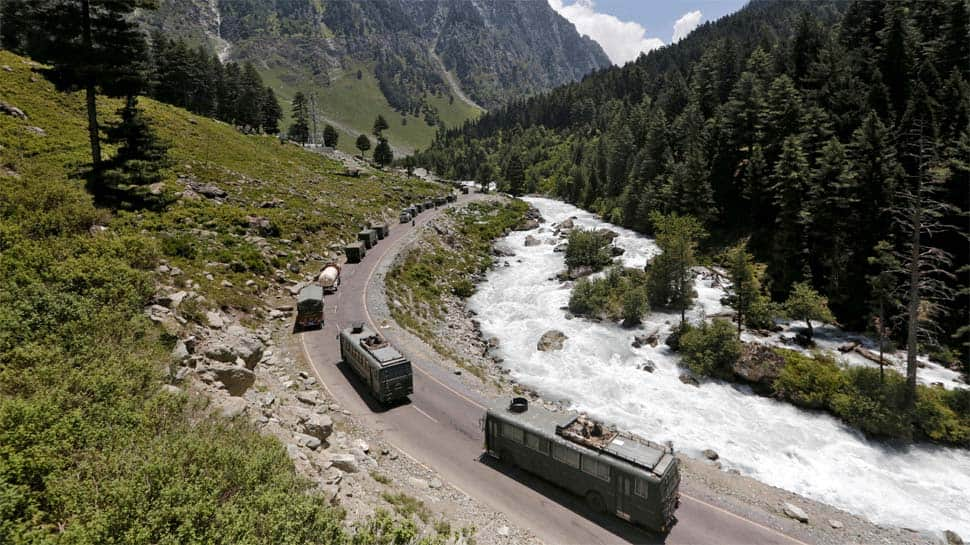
{"x":491,"y":47}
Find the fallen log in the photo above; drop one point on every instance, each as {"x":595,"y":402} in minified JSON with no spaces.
{"x":871,"y":356}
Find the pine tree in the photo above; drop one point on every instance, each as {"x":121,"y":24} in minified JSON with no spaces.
{"x":671,"y":276}
{"x":382,"y":152}
{"x":380,"y":125}
{"x":271,"y":113}
{"x":515,"y":174}
{"x":884,"y":286}
{"x":363,"y":143}
{"x":806,"y":304}
{"x":300,"y":129}
{"x":139,"y":162}
{"x":92,"y":45}
{"x":789,"y":190}
{"x":330,"y":136}
{"x":744,"y":293}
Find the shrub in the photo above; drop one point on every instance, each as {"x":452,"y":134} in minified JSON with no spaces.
{"x":463,"y":288}
{"x":938,"y":415}
{"x":808,"y":382}
{"x":620,"y":295}
{"x":179,"y":245}
{"x":587,"y":248}
{"x":872,"y":405}
{"x":711,"y":349}
{"x":762,"y":313}
{"x":635,"y":305}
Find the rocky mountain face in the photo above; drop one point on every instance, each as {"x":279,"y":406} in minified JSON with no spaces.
{"x":496,"y":49}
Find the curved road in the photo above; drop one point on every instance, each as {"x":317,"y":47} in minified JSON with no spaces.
{"x":440,"y":428}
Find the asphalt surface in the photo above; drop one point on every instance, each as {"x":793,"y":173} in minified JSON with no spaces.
{"x":441,"y":428}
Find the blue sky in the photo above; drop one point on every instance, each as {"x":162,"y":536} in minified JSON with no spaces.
{"x":624,"y":28}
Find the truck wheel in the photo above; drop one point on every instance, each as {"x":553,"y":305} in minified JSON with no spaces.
{"x":595,"y":502}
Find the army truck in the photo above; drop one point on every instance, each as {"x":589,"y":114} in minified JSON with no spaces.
{"x":309,"y":307}
{"x":405,"y":216}
{"x":368,"y":237}
{"x":382,"y":229}
{"x":464,"y":190}
{"x":380,"y":366}
{"x":452,"y":197}
{"x":428,"y":205}
{"x":355,"y":252}
{"x":329,"y":278}
{"x":440,"y":201}
{"x":616,"y":472}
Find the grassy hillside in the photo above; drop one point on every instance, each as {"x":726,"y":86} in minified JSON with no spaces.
{"x":92,"y":448}
{"x":354,"y":104}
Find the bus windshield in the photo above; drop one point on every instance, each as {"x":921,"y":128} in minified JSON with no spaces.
{"x":396,"y":371}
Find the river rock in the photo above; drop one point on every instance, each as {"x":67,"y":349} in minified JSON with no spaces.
{"x":952,"y":538}
{"x":616,"y":251}
{"x":759,"y":365}
{"x":551,"y":340}
{"x":567,"y":224}
{"x":345,"y":462}
{"x":319,"y":426}
{"x":532,"y":241}
{"x":689,"y":380}
{"x":710,"y":454}
{"x":607,"y":234}
{"x":527,"y":224}
{"x":648,"y":366}
{"x":641,"y":340}
{"x":237,"y":379}
{"x":560,"y":248}
{"x":795,"y":512}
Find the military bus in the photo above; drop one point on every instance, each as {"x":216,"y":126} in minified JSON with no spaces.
{"x":619,"y":473}
{"x":386,"y":372}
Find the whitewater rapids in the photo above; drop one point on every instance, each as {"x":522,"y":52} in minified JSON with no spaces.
{"x":815,"y":455}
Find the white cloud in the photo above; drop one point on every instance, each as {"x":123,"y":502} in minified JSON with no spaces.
{"x":686,"y":24}
{"x":621,"y":40}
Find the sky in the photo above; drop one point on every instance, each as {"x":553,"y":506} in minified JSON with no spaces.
{"x":625,"y":28}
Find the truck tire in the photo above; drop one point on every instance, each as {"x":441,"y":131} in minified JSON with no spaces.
{"x":595,"y":502}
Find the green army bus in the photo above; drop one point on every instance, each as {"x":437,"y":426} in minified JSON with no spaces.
{"x":309,"y":307}
{"x":618,"y":473}
{"x":386,"y":372}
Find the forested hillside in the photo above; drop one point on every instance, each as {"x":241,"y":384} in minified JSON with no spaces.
{"x":816,"y":129}
{"x":389,"y":57}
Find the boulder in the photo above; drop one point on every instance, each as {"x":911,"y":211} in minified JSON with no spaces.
{"x":345,"y":462}
{"x":12,"y":111}
{"x":235,"y":378}
{"x":607,"y":234}
{"x":532,"y":241}
{"x":616,"y":251}
{"x":180,"y":353}
{"x":689,"y":380}
{"x":214,"y":319}
{"x":642,"y":340}
{"x":209,"y":190}
{"x":551,"y":340}
{"x":319,"y":426}
{"x":308,"y":441}
{"x":758,"y":365}
{"x":567,"y":224}
{"x":710,"y":454}
{"x":795,"y":512}
{"x":837,"y":524}
{"x":232,"y":407}
{"x":648,"y":366}
{"x":560,"y":248}
{"x":952,"y":538}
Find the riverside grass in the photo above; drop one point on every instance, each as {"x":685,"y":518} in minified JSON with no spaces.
{"x":92,"y":449}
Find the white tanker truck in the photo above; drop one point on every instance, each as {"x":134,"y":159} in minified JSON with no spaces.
{"x":329,"y":278}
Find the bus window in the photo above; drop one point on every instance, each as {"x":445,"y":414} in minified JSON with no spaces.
{"x":565,"y":455}
{"x":596,"y":468}
{"x":511,"y":432}
{"x":640,"y":488}
{"x":539,"y":444}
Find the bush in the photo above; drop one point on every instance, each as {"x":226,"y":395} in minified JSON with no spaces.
{"x":943,"y":415}
{"x":808,"y":382}
{"x":872,"y":405}
{"x":711,"y":349}
{"x":179,"y":245}
{"x":588,"y":248}
{"x":635,"y":305}
{"x":762,"y":313}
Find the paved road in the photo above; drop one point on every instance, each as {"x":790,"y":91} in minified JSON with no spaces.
{"x":440,"y":428}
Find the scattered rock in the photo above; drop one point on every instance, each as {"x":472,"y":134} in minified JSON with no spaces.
{"x":560,"y":248}
{"x":319,"y":426}
{"x":567,"y":224}
{"x":308,"y":441}
{"x":208,"y":190}
{"x":641,"y":340}
{"x":836,"y":524}
{"x":616,"y":251}
{"x":648,"y":366}
{"x":214,"y":319}
{"x":607,"y":234}
{"x":37,"y":130}
{"x":689,"y":380}
{"x":532,"y":241}
{"x":551,"y":340}
{"x":527,"y":224}
{"x":180,"y":353}
{"x":171,"y":389}
{"x":232,"y":407}
{"x":345,"y":462}
{"x":12,"y":110}
{"x":758,"y":365}
{"x":710,"y":454}
{"x":235,"y":378}
{"x":503,"y":531}
{"x":795,"y":512}
{"x":434,"y":484}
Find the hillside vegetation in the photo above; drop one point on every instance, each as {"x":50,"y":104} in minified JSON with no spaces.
{"x":92,"y":448}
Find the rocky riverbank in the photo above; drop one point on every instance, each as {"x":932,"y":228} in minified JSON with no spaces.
{"x":703,"y":479}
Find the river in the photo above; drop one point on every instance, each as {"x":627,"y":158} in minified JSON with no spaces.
{"x":918,"y":486}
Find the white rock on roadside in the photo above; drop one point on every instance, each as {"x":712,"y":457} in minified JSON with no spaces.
{"x":795,"y":512}
{"x":345,"y":462}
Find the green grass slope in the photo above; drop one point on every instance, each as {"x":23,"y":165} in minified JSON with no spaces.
{"x":354,"y":104}
{"x":92,"y":449}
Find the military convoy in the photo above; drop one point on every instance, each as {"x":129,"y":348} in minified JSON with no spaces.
{"x":309,"y":307}
{"x":379,"y":365}
{"x":616,"y":472}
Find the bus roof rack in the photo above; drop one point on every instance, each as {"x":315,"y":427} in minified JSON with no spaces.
{"x":519,"y":405}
